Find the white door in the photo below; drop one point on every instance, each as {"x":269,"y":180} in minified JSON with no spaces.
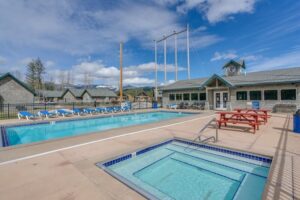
{"x":220,"y":100}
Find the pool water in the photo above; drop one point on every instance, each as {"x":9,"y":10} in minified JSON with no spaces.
{"x":176,"y":171}
{"x":40,"y":132}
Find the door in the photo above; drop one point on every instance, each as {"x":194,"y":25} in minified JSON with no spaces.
{"x":220,"y":100}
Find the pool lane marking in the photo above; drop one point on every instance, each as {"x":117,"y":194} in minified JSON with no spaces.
{"x":96,"y":141}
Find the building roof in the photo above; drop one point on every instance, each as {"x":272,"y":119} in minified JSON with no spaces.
{"x":50,"y":93}
{"x":279,"y":76}
{"x":3,"y":76}
{"x":235,"y":63}
{"x":101,"y":92}
{"x":76,"y":92}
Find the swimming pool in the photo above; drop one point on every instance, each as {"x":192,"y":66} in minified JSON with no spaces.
{"x":179,"y":169}
{"x":25,"y":134}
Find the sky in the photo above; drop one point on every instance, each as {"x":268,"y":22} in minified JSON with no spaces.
{"x":83,"y":37}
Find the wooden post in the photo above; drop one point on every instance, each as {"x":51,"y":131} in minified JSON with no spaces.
{"x":121,"y":72}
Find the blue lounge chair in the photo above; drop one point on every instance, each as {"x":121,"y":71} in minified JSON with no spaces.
{"x":109,"y":109}
{"x":125,"y":109}
{"x":46,"y":113}
{"x":27,"y":115}
{"x":77,"y":111}
{"x":63,"y":113}
{"x":100,"y":110}
{"x":117,"y":108}
{"x":89,"y":110}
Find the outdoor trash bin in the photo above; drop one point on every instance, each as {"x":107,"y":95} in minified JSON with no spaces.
{"x":154,"y":105}
{"x":297,"y":121}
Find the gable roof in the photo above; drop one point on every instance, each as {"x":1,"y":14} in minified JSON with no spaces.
{"x":278,"y":76}
{"x":101,"y":92}
{"x":24,"y":85}
{"x":215,"y":76}
{"x":75,"y":92}
{"x":235,"y":63}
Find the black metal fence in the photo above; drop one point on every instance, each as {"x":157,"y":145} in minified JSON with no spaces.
{"x":10,"y":111}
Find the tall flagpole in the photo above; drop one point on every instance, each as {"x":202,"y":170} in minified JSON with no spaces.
{"x":155,"y":57}
{"x":121,"y":71}
{"x":165,"y":59}
{"x":175,"y":50}
{"x":188,"y":51}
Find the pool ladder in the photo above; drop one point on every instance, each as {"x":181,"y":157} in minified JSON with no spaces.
{"x":215,"y":138}
{"x":198,"y":138}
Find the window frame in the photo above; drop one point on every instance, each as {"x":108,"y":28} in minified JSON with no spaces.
{"x":170,"y":97}
{"x":250,"y":97}
{"x":241,"y":92}
{"x":270,"y":99}
{"x":202,"y":94}
{"x":197,"y":99}
{"x":178,"y":94}
{"x":286,"y":98}
{"x":183,"y":96}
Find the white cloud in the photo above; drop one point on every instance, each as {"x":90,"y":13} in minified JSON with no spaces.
{"x":217,"y":10}
{"x":66,"y":26}
{"x":291,"y":59}
{"x":139,"y":81}
{"x":224,"y":56}
{"x":109,"y":75}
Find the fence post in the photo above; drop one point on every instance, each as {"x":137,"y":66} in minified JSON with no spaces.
{"x":8,"y":116}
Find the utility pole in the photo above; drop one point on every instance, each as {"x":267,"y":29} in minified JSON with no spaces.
{"x":175,"y":51}
{"x":165,"y":59}
{"x":155,"y":58}
{"x":121,"y":72}
{"x":188,"y":51}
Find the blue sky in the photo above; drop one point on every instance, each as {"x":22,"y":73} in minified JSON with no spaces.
{"x":82,"y":37}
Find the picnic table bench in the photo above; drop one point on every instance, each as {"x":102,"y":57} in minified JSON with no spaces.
{"x":251,"y":119}
{"x":262,"y":113}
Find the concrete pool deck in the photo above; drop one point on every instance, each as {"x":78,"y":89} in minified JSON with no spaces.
{"x":65,"y":168}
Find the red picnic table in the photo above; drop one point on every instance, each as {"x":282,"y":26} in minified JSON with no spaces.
{"x":251,"y":119}
{"x":263,"y":113}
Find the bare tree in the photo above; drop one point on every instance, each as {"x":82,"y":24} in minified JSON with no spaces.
{"x":62,"y":79}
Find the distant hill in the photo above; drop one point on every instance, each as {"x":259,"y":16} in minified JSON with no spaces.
{"x":134,"y":91}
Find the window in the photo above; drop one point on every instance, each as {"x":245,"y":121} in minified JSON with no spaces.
{"x":194,"y":96}
{"x":178,"y":96}
{"x":241,"y":95}
{"x":288,"y":94}
{"x":255,"y":95}
{"x":171,"y":97}
{"x":202,"y":96}
{"x":186,"y":96}
{"x":270,"y":95}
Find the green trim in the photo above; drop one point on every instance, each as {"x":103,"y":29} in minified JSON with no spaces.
{"x":215,"y":76}
{"x":233,"y":62}
{"x":18,"y":81}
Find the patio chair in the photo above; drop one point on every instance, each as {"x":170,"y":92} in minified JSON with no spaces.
{"x":100,"y":110}
{"x":77,"y":111}
{"x":89,"y":111}
{"x":46,"y":114}
{"x":27,"y":115}
{"x":63,"y":113}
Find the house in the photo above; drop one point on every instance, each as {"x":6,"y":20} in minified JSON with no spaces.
{"x":237,"y":89}
{"x":50,"y":95}
{"x":14,"y":91}
{"x":72,"y":95}
{"x":99,"y":95}
{"x":142,"y":96}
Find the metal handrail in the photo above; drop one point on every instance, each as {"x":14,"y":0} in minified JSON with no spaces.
{"x":215,"y":138}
